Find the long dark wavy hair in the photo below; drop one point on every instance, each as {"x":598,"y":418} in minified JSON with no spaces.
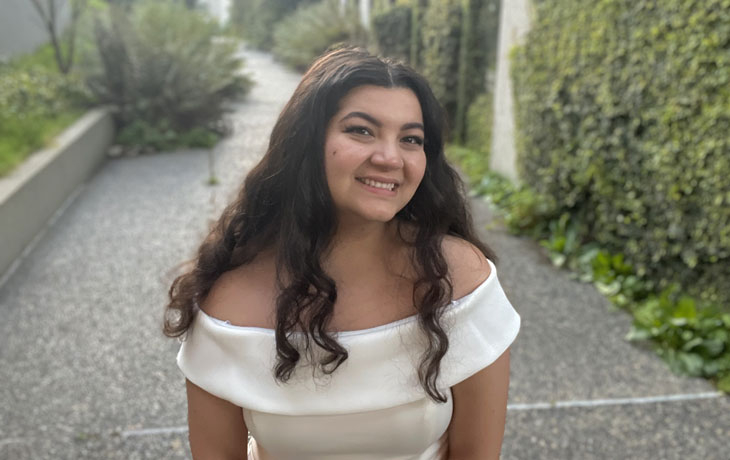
{"x":285,"y":204}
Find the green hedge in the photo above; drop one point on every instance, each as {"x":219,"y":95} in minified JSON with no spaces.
{"x":479,"y":126}
{"x":623,"y":112}
{"x":458,"y":46}
{"x":441,"y":34}
{"x":392,"y":32}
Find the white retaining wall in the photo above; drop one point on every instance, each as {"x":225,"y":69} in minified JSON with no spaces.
{"x":32,"y":193}
{"x":513,"y":27}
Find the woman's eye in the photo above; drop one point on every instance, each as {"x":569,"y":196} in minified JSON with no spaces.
{"x":358,"y":130}
{"x":413,"y":140}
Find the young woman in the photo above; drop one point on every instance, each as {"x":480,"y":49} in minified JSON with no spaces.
{"x":343,"y":306}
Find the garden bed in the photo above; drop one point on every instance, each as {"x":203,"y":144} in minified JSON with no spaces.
{"x":32,"y":193}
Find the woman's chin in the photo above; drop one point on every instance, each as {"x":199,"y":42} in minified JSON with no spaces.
{"x":372,"y":217}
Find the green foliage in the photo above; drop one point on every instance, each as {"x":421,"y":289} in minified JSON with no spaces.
{"x":478,"y":37}
{"x":519,"y":208}
{"x":166,"y":73}
{"x":692,"y":335}
{"x":42,"y":59}
{"x":35,"y":105}
{"x":479,"y":125}
{"x":255,"y":19}
{"x":34,"y":93}
{"x":416,"y":45}
{"x":36,"y":101}
{"x":473,"y":162}
{"x":310,"y":30}
{"x":622,"y":112}
{"x":441,"y":35}
{"x":142,"y":135}
{"x":392,"y":31}
{"x":484,"y":44}
{"x":458,"y":43}
{"x":693,"y":338}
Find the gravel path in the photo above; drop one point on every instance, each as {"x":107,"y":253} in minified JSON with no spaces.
{"x":82,"y":358}
{"x":87,"y":374}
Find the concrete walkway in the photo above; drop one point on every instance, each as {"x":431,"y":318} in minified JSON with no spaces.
{"x":86,"y":374}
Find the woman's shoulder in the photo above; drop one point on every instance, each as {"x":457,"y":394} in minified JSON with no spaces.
{"x":244,"y":296}
{"x":468,"y":266}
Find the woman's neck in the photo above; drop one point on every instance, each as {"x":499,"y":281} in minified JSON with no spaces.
{"x":359,"y":249}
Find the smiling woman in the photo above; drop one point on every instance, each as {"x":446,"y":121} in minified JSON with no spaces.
{"x":343,"y":306}
{"x":374,"y":158}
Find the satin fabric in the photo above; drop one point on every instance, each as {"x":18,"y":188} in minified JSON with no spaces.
{"x":372,"y":406}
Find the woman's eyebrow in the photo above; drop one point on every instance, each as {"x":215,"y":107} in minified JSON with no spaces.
{"x":413,"y":125}
{"x":373,"y":120}
{"x":364,"y":116}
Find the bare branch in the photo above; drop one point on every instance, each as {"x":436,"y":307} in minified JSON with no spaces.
{"x":49,"y":17}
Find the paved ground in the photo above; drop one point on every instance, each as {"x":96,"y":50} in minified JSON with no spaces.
{"x":87,"y":374}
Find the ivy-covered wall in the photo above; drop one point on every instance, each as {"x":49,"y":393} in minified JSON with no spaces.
{"x":623,"y":114}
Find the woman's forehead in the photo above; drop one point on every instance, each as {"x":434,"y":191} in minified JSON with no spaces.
{"x":396,"y":103}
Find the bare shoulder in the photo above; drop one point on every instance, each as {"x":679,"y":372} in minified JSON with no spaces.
{"x":244,"y":296}
{"x":468,"y":267}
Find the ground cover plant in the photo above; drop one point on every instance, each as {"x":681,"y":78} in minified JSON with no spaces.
{"x":36,"y":103}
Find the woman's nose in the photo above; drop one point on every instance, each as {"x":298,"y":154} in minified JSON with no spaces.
{"x":387,"y":155}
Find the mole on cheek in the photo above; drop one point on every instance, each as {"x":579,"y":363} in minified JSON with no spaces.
{"x":334,"y":152}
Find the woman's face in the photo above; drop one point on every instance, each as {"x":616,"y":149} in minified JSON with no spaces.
{"x":374,"y":157}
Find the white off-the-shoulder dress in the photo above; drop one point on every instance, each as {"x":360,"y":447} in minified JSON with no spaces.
{"x":372,"y":406}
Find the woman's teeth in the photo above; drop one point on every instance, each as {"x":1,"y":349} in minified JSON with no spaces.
{"x":376,"y":184}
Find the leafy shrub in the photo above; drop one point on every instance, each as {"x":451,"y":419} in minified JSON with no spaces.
{"x":160,"y":136}
{"x":392,"y":32}
{"x":255,"y":19}
{"x":163,"y":68}
{"x":310,"y":30}
{"x":622,"y":110}
{"x":35,"y":93}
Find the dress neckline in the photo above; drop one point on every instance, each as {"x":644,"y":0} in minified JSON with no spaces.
{"x":454,"y":304}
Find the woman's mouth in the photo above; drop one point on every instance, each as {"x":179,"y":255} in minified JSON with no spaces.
{"x":390,"y":186}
